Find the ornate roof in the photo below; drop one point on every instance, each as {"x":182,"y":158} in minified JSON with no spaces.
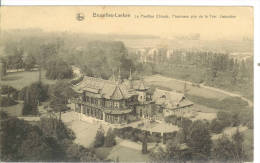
{"x":105,"y":88}
{"x":170,"y":99}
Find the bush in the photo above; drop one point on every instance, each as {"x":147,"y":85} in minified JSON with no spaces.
{"x":34,"y":93}
{"x":178,"y":121}
{"x":6,"y":101}
{"x":5,"y":89}
{"x":217,"y":126}
{"x":100,"y":137}
{"x":29,"y":109}
{"x":110,"y":138}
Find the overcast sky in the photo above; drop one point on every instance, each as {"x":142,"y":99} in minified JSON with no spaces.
{"x":56,"y":18}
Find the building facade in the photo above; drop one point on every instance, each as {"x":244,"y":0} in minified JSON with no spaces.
{"x":120,"y":102}
{"x":113,"y":101}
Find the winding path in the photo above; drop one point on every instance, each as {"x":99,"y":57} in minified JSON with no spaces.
{"x":250,"y":103}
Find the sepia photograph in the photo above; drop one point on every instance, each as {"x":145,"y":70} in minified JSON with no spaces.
{"x":127,"y":84}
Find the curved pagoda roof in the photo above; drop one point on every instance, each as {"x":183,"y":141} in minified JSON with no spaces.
{"x":104,"y":88}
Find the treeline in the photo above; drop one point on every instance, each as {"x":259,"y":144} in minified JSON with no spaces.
{"x":56,"y":55}
{"x":211,"y":68}
{"x":41,"y":55}
{"x":102,"y":59}
{"x":33,"y":95}
{"x":46,"y":140}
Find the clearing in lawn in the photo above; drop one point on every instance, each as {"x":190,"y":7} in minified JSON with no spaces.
{"x":19,"y":80}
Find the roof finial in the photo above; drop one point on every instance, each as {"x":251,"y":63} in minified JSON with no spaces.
{"x":113,"y":77}
{"x":119,"y":77}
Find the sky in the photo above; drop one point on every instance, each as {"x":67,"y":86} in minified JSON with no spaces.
{"x":63,"y":18}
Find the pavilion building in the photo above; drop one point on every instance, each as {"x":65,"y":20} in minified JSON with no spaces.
{"x":118,"y":102}
{"x":113,"y":101}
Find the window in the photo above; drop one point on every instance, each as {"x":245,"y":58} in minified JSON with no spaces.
{"x":116,"y":105}
{"x":110,"y":104}
{"x":103,"y":103}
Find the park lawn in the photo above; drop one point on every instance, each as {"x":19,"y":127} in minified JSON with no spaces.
{"x":20,"y":80}
{"x":172,"y":84}
{"x":204,"y":109}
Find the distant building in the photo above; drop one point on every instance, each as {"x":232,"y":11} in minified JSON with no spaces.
{"x":116,"y":101}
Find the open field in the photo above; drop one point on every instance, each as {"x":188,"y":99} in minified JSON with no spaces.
{"x":178,"y":85}
{"x":19,"y":80}
{"x":202,"y":91}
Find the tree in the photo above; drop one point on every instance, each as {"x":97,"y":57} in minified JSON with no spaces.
{"x":29,"y":62}
{"x":225,"y":118}
{"x":100,"y":137}
{"x":35,"y":147}
{"x":217,"y":126}
{"x":60,"y":93}
{"x":29,"y":109}
{"x":223,"y":149}
{"x":229,"y":149}
{"x":144,"y":143}
{"x":32,"y":96}
{"x":21,"y":141}
{"x":177,"y":152}
{"x":7,"y":101}
{"x":199,"y":141}
{"x":239,"y":153}
{"x":110,"y":138}
{"x":58,"y":69}
{"x":35,"y":93}
{"x":158,"y":154}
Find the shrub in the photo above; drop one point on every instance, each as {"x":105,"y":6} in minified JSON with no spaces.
{"x":100,"y":137}
{"x":110,"y":138}
{"x":217,"y":126}
{"x":6,"y":101}
{"x":5,"y":89}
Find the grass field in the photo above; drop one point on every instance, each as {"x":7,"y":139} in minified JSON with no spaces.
{"x":19,"y":80}
{"x":172,"y":84}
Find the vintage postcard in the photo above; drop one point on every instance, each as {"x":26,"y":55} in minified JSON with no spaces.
{"x":126,"y":84}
